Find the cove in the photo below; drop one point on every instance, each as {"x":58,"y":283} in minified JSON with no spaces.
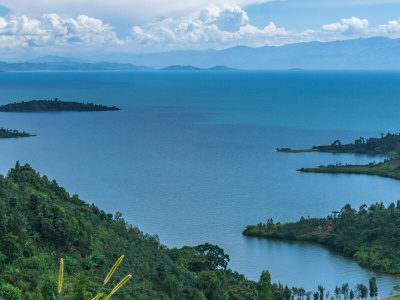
{"x":191,"y":157}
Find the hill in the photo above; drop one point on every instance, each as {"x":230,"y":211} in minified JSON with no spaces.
{"x":56,"y":65}
{"x":40,"y":223}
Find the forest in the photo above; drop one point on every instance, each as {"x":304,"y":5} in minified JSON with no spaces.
{"x":40,"y":224}
{"x":52,"y":106}
{"x":369,"y":234}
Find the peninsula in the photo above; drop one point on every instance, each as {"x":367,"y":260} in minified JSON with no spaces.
{"x":53,"y":106}
{"x":388,"y":144}
{"x":369,"y":234}
{"x":10,"y":133}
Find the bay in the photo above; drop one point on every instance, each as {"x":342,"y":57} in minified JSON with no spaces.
{"x":191,"y":155}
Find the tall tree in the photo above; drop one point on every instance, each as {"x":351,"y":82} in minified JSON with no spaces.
{"x":321,"y":290}
{"x":265,"y":286}
{"x":373,"y":288}
{"x":362,"y":291}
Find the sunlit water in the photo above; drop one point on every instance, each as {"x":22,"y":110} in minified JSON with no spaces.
{"x":191,"y":156}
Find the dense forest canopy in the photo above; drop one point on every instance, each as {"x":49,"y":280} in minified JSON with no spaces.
{"x":53,"y":105}
{"x":369,"y":234}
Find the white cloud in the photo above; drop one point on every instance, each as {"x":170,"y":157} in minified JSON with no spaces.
{"x":133,"y":11}
{"x":51,"y":29}
{"x":348,"y":26}
{"x":391,"y":29}
{"x":217,"y":26}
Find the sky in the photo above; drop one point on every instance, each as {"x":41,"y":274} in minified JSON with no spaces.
{"x":48,"y":27}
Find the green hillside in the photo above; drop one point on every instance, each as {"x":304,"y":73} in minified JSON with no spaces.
{"x":41,"y":223}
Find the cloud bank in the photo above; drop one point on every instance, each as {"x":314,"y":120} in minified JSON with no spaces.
{"x":213,"y":26}
{"x":52,"y":30}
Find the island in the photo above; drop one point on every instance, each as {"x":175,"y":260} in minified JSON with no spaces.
{"x":55,"y":105}
{"x":388,"y":145}
{"x":10,"y":133}
{"x":370,"y":235}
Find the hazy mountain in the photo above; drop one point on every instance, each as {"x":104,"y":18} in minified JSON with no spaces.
{"x":372,"y":53}
{"x":192,"y":68}
{"x":55,"y":59}
{"x":70,"y":66}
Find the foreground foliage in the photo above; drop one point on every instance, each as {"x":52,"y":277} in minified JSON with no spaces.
{"x":370,"y":235}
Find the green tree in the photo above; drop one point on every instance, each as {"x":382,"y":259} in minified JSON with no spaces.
{"x":373,"y":288}
{"x":209,"y":283}
{"x":362,"y":291}
{"x":321,"y":290}
{"x":265,"y":286}
{"x":215,"y":256}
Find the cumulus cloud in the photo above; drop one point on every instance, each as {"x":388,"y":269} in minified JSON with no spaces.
{"x":391,"y":29}
{"x":51,"y":29}
{"x":125,"y":10}
{"x":217,"y":26}
{"x":348,"y":26}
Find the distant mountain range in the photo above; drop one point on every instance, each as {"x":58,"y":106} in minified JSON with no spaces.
{"x":371,"y":53}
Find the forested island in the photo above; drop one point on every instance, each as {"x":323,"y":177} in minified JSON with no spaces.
{"x":53,"y":106}
{"x":40,"y":223}
{"x":388,"y":144}
{"x":370,"y":235}
{"x":12,"y":133}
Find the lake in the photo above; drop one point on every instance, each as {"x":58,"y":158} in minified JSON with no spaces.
{"x":191,"y":156}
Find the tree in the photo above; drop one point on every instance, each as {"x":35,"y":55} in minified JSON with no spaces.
{"x":265,"y":287}
{"x":215,"y":256}
{"x":362,"y":291}
{"x":373,"y":288}
{"x":209,"y":283}
{"x":345,"y":291}
{"x":351,"y":295}
{"x":321,"y":290}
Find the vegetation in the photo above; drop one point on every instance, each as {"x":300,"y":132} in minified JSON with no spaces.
{"x":388,"y":144}
{"x":388,"y":168}
{"x":53,"y":105}
{"x":9,"y":133}
{"x":369,"y":235}
{"x":41,"y":223}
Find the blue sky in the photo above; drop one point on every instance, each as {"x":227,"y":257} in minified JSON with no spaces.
{"x":44,"y":27}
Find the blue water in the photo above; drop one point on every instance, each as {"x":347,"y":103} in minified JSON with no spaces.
{"x":191,"y":156}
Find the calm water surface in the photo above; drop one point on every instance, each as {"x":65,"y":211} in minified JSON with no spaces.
{"x":191,"y":156}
